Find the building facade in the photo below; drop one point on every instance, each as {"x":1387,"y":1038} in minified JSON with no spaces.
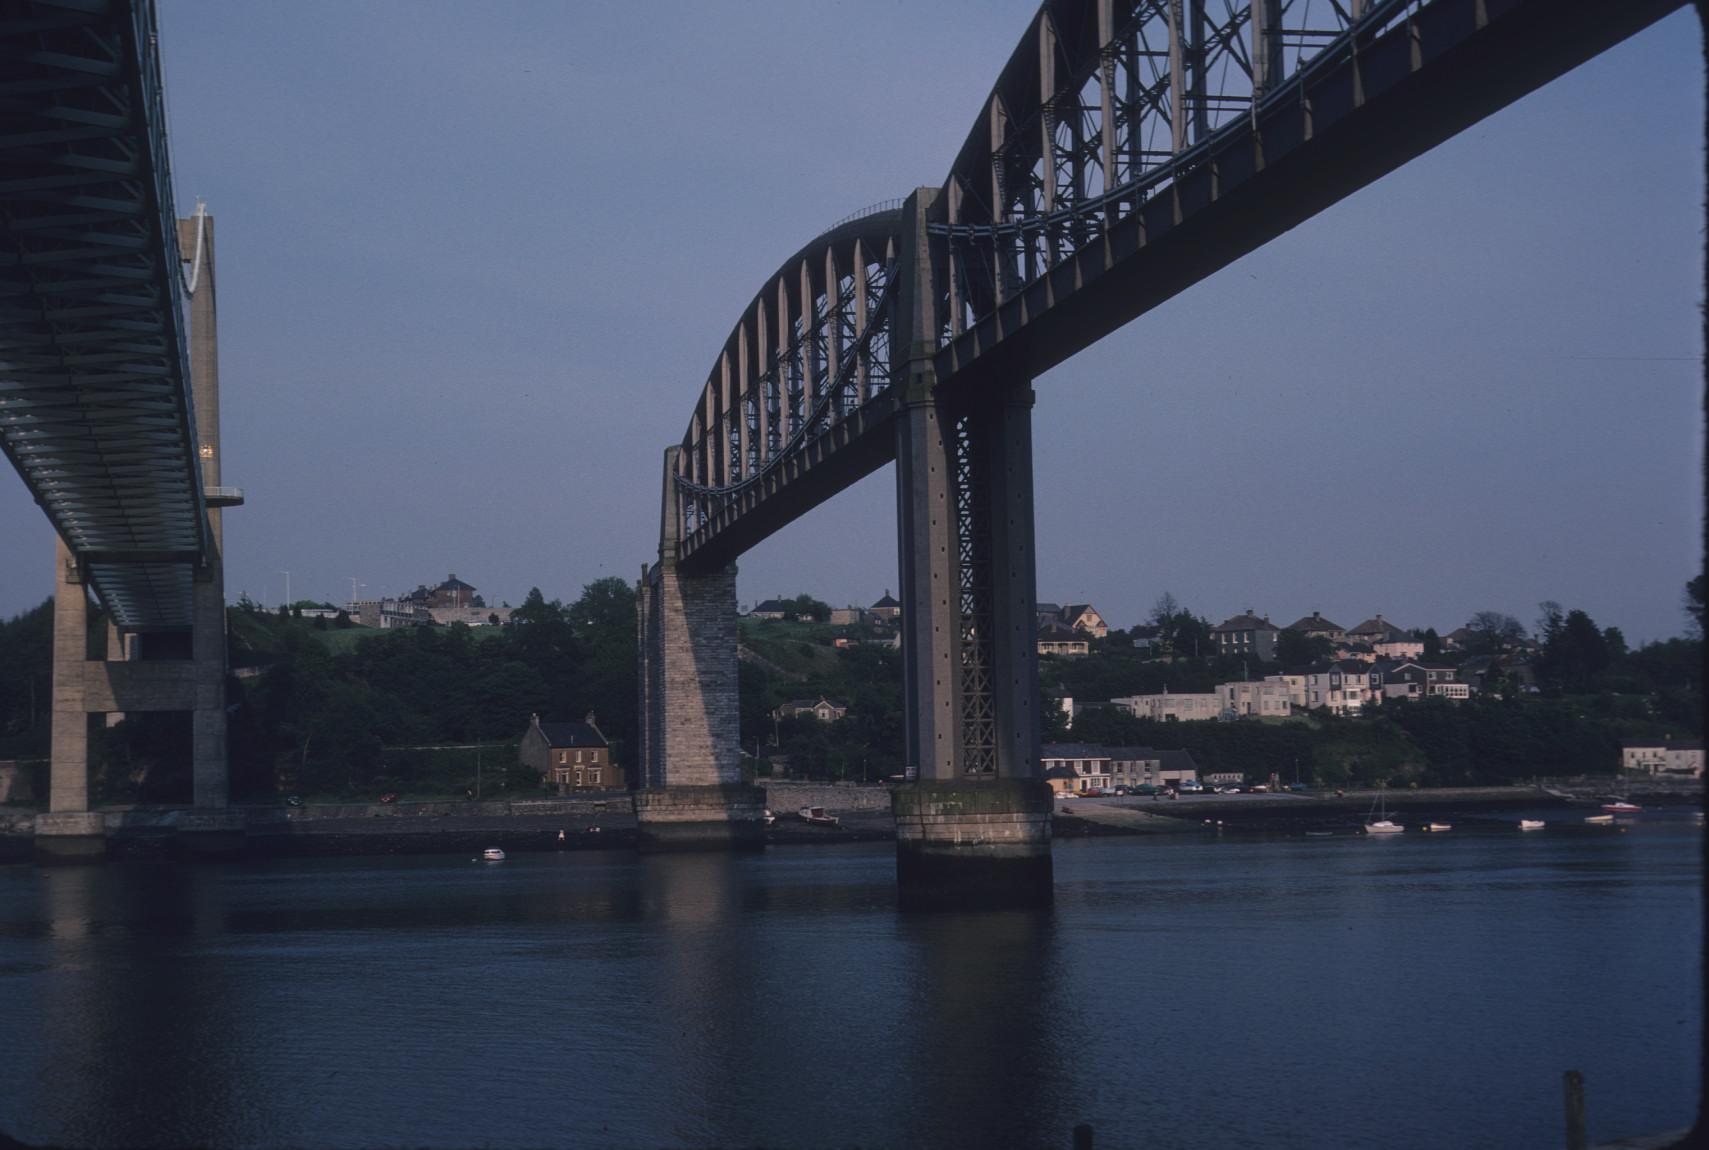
{"x":570,"y":756}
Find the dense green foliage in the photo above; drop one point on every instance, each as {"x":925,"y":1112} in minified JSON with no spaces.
{"x":327,"y":709}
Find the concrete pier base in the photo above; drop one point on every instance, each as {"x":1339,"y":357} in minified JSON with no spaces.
{"x":70,"y":837}
{"x":687,"y":818}
{"x":973,"y":844}
{"x":211,"y":834}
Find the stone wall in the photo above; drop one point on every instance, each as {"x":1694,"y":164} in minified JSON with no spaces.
{"x":838,"y":798}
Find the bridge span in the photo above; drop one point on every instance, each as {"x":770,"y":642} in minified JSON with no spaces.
{"x":1128,"y":149}
{"x":109,"y":399}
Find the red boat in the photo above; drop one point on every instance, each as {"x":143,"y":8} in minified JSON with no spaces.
{"x":1621,"y":807}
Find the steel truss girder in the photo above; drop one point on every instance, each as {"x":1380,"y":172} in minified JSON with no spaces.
{"x":96,"y":411}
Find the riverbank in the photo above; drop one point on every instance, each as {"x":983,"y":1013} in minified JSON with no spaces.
{"x":607,"y":822}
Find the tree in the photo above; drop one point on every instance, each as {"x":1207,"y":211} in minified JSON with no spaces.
{"x":1432,"y":645}
{"x":1575,"y":653}
{"x":806,"y":607}
{"x":1494,"y":633}
{"x":1297,"y":649}
{"x":1695,"y":607}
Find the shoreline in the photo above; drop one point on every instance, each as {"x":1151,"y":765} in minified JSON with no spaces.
{"x":608,"y":823}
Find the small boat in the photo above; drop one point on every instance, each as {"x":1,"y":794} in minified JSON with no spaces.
{"x":1530,"y":824}
{"x":1438,"y":827}
{"x":1599,"y":820}
{"x":1621,"y":807}
{"x":492,"y":854}
{"x":817,"y":817}
{"x":769,"y":817}
{"x":1381,"y":824}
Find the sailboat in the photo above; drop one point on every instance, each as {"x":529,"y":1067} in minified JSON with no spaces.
{"x":1381,"y":824}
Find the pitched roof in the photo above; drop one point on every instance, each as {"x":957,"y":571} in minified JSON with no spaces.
{"x":885,"y":602}
{"x":1057,"y":632}
{"x":1075,"y":610}
{"x":571,"y":735}
{"x":1048,"y":608}
{"x":452,"y":583}
{"x":1245,"y":621}
{"x":775,"y":605}
{"x":1313,"y":623}
{"x":1377,"y":626}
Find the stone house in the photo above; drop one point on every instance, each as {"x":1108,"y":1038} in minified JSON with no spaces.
{"x":887,"y":608}
{"x":1246,"y":634}
{"x":570,"y":756}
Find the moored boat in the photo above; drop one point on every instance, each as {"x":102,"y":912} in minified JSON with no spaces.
{"x":1438,"y":827}
{"x":1530,"y":824}
{"x":818,"y":817}
{"x":1621,"y":807}
{"x":1600,"y":820}
{"x":1381,"y":824}
{"x":492,"y":854}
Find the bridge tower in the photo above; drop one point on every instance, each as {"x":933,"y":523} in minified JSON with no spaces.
{"x":691,"y":794}
{"x":152,"y":671}
{"x":973,"y":822}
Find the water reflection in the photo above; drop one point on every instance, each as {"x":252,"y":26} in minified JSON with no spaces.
{"x":990,"y":1043}
{"x":140,"y":1026}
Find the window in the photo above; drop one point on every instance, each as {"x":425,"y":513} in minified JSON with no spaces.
{"x":578,"y":777}
{"x":578,"y":756}
{"x":563,"y":756}
{"x":593,"y":778}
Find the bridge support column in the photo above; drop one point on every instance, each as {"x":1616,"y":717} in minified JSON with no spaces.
{"x":973,"y":822}
{"x":691,"y":794}
{"x":69,"y":831}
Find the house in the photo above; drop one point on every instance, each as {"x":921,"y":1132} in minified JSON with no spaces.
{"x":1056,"y":639}
{"x":822,"y":709}
{"x":1254,"y":700}
{"x":1402,"y":647}
{"x":1146,"y":638}
{"x":850,"y":616}
{"x":1459,"y":639}
{"x":1224,"y":778}
{"x":1316,"y":626}
{"x":570,"y":756}
{"x":1083,"y":617}
{"x":1376,"y":630}
{"x":1176,"y":708}
{"x":1352,"y":650}
{"x":1411,"y":680}
{"x":772,"y":609}
{"x":1246,"y":634}
{"x":1075,"y":767}
{"x":1292,"y":682}
{"x":887,"y":608}
{"x":1679,"y":759}
{"x":1344,"y":686}
{"x":388,"y":613}
{"x":1143,"y":766}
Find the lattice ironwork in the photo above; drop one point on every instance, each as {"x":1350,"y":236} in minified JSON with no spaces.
{"x":833,"y":359}
{"x":1114,"y":102}
{"x":977,"y":706}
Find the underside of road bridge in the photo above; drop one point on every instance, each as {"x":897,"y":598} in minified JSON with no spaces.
{"x":109,"y":393}
{"x":1129,"y":149}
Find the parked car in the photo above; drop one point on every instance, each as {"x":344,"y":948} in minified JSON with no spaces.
{"x":1145,"y":789}
{"x":1191,"y":788}
{"x":1229,"y":790}
{"x":389,"y":797}
{"x":1259,"y":789}
{"x":293,"y":800}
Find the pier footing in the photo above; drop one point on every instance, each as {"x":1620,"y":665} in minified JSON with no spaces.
{"x":211,"y":834}
{"x":70,"y":837}
{"x":723,"y":817}
{"x":973,"y":844}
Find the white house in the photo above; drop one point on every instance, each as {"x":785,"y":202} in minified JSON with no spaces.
{"x":1180,"y":708}
{"x":1344,"y":687}
{"x":1258,"y":699}
{"x":1682,"y":759}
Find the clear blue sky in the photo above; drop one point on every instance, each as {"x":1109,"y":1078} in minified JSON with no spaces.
{"x":475,"y":261}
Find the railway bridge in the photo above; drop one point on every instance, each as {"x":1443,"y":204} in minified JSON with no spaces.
{"x":1128,"y":149}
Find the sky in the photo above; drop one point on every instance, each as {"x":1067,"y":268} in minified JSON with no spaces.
{"x":475,"y":262}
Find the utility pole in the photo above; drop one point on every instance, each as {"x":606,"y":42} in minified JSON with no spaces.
{"x":353,"y":585}
{"x":287,"y":576}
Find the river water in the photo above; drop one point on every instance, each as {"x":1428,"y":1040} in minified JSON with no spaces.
{"x":1418,"y":991}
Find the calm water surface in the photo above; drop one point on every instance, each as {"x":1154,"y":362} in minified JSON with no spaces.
{"x":1425,"y":991}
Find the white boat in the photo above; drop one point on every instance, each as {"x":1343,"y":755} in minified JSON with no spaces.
{"x":1599,"y":820}
{"x":492,"y":854}
{"x":1530,"y":824}
{"x":769,"y":817}
{"x":1438,"y":827}
{"x":1381,"y":824}
{"x":818,"y":817}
